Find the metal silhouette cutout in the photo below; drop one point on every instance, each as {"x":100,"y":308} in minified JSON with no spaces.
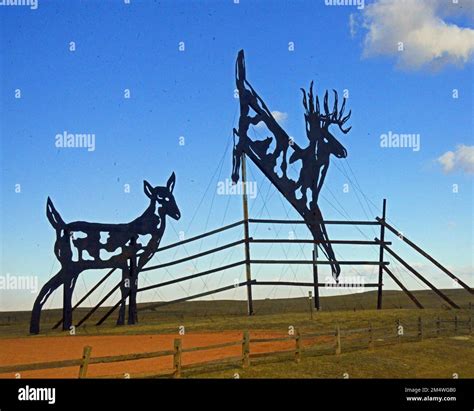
{"x":84,"y":246}
{"x":303,"y":194}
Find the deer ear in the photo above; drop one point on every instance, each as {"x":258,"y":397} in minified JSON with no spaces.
{"x":148,"y":189}
{"x":171,"y":182}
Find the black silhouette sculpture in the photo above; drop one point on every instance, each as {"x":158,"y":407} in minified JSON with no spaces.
{"x":83,"y":246}
{"x":315,"y":158}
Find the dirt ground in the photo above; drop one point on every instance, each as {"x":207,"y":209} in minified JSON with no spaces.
{"x":43,"y":349}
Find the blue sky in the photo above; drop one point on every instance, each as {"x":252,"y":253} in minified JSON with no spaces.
{"x":190,"y":93}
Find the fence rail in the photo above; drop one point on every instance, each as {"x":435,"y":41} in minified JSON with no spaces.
{"x":248,"y":262}
{"x":384,"y":246}
{"x":346,"y":339}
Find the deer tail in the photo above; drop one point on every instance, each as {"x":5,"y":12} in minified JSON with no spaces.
{"x":53,"y":216}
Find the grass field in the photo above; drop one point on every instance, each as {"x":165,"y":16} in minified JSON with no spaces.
{"x":211,"y":322}
{"x":435,"y":358}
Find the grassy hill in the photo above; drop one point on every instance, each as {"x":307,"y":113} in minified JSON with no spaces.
{"x":220,"y":314}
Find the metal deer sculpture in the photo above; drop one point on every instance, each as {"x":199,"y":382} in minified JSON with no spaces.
{"x":84,"y":246}
{"x":315,"y":158}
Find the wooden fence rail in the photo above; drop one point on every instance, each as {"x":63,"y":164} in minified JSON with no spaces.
{"x":343,"y":339}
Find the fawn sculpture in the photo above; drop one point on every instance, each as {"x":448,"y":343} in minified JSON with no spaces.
{"x":84,"y":246}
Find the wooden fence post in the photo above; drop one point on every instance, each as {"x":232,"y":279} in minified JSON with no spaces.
{"x":297,"y":346}
{"x":371,"y":337}
{"x":399,"y":337}
{"x":177,"y":358}
{"x":338,"y":340}
{"x":420,"y":328}
{"x":246,"y":350}
{"x":470,"y":324}
{"x":86,"y":355}
{"x":438,"y":326}
{"x":455,"y":324}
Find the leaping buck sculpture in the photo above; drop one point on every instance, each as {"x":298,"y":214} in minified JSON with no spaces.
{"x":315,"y":158}
{"x":84,"y":246}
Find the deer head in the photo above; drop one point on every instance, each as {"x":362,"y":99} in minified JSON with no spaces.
{"x":164,"y":197}
{"x":317,"y":122}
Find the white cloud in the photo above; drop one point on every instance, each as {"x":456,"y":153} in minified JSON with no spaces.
{"x":353,"y":24}
{"x":279,"y":116}
{"x":428,"y":39}
{"x":460,"y":159}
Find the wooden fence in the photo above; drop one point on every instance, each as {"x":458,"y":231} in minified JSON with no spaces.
{"x":304,"y":344}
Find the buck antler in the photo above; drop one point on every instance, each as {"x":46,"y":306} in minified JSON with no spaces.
{"x":313,"y":111}
{"x":336,"y":117}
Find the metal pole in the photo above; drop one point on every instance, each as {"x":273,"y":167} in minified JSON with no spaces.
{"x":400,"y":284}
{"x":248,"y":270}
{"x":315,"y":278}
{"x":382,"y":239}
{"x":428,"y":283}
{"x":426,"y":255}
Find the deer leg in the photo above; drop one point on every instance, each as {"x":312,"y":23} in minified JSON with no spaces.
{"x":304,"y":197}
{"x":43,"y":296}
{"x":318,"y":230}
{"x":319,"y":183}
{"x":335,"y":267}
{"x":132,"y":302}
{"x":125,"y":290}
{"x":69,"y":285}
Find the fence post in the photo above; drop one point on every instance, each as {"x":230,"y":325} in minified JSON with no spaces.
{"x":455,"y":324}
{"x":248,"y":267}
{"x":317,"y":302}
{"x":177,"y":358}
{"x":398,"y":331}
{"x":86,"y":355}
{"x":438,"y":327}
{"x":246,"y":350}
{"x":382,"y":238}
{"x":371,"y":337}
{"x":297,"y":346}
{"x":338,"y":340}
{"x":470,"y":324}
{"x":420,"y":328}
{"x":310,"y":299}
